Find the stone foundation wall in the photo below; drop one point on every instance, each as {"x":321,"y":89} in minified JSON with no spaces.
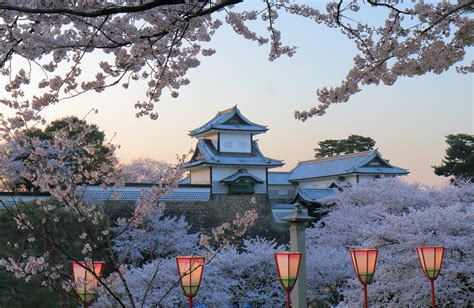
{"x":203,"y":216}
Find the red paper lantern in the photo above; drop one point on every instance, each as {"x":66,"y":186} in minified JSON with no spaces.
{"x":431,"y":260}
{"x":364,"y":262}
{"x":190,"y":271}
{"x":288,"y":265}
{"x":85,"y":276}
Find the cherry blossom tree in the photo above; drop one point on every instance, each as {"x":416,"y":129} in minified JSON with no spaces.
{"x":144,"y":170}
{"x":158,"y":237}
{"x":43,"y":45}
{"x":395,"y":221}
{"x":92,"y":149}
{"x":234,"y":275}
{"x":53,"y":166}
{"x":134,"y":237}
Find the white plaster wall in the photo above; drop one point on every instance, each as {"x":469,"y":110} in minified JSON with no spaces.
{"x":258,"y":172}
{"x":317,"y":183}
{"x":326,"y":182}
{"x":371,"y":177}
{"x":236,"y":142}
{"x":200,"y":176}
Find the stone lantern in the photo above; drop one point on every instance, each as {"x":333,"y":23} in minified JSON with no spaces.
{"x":298,"y":221}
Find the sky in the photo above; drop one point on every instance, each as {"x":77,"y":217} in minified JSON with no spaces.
{"x":409,"y":120}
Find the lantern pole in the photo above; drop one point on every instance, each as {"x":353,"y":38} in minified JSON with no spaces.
{"x":366,"y":303}
{"x":190,"y":302}
{"x":298,"y":222}
{"x":433,"y":300}
{"x":288,"y":300}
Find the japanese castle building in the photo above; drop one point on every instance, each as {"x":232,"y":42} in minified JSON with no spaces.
{"x":315,"y":180}
{"x":227,"y":160}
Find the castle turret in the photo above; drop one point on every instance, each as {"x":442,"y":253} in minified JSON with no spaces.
{"x":226,"y":156}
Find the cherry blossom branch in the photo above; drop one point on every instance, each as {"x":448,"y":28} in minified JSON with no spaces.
{"x":447,"y":14}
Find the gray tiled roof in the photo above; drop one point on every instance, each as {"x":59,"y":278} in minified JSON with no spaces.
{"x":122,"y":194}
{"x":206,"y":153}
{"x":278,"y":178}
{"x":175,"y":195}
{"x":240,"y":174}
{"x":220,"y":122}
{"x":314,"y":194}
{"x":344,"y":164}
{"x":187,"y":196}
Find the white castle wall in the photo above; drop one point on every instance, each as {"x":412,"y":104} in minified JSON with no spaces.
{"x":236,"y":142}
{"x":200,"y":176}
{"x":325,"y":182}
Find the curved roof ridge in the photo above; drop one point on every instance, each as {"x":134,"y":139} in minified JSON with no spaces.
{"x":339,"y":156}
{"x":227,"y":110}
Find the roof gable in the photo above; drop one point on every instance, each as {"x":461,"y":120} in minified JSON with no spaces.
{"x":235,"y":120}
{"x":242,"y":174}
{"x":230,"y":119}
{"x":377,"y":161}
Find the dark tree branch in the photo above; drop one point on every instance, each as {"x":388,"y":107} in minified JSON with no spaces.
{"x":115,"y":10}
{"x":377,"y":3}
{"x":96,"y":13}
{"x":351,"y":31}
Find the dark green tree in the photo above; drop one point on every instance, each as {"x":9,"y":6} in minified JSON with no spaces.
{"x":326,"y":148}
{"x":459,"y":159}
{"x":352,"y":144}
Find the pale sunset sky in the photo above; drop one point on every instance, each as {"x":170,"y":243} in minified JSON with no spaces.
{"x":409,"y":120}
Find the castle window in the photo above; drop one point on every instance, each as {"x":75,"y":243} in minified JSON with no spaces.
{"x":241,"y":188}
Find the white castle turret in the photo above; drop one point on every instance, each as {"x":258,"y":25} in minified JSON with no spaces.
{"x":227,"y":158}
